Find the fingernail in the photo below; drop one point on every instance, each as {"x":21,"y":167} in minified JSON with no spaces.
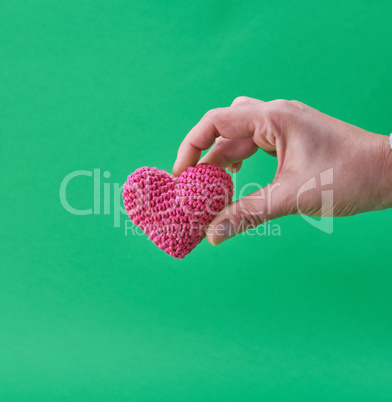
{"x":221,"y":232}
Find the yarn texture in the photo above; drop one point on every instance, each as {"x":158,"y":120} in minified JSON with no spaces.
{"x":174,"y":212}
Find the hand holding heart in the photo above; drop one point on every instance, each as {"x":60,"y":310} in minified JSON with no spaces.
{"x":306,"y":142}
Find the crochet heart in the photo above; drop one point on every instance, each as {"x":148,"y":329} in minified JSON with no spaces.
{"x":175,"y":211}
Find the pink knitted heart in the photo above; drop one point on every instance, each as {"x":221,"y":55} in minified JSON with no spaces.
{"x":175,"y":211}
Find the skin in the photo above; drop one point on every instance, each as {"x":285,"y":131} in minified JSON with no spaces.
{"x":306,"y":143}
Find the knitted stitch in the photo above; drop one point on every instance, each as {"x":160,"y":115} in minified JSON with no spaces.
{"x":175,"y":211}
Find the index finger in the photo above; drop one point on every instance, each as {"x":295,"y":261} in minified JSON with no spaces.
{"x":231,"y":122}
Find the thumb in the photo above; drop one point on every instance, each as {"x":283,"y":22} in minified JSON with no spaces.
{"x":270,"y":202}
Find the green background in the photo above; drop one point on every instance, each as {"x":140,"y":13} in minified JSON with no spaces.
{"x":89,"y":314}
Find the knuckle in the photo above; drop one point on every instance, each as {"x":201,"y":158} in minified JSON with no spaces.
{"x":249,"y":218}
{"x":212,"y":113}
{"x":267,"y":127}
{"x":297,"y":104}
{"x":240,"y":100}
{"x":287,"y":105}
{"x":289,"y":204}
{"x":282,"y":112}
{"x":286,"y":198}
{"x":281,"y":104}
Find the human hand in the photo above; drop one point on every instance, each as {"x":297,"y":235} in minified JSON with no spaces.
{"x":307,"y":143}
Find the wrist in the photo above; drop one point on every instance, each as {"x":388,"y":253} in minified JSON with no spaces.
{"x":384,"y":162}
